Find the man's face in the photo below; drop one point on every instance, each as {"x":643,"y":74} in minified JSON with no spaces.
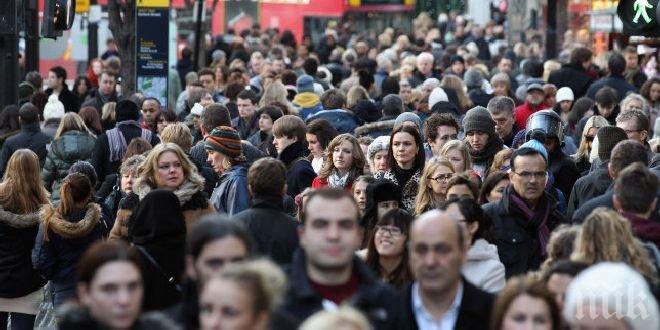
{"x":405,"y":91}
{"x":282,"y":142}
{"x":331,"y":234}
{"x":477,"y":140}
{"x":631,"y":61}
{"x":361,"y":48}
{"x":149,"y":110}
{"x":457,"y":67}
{"x":214,"y":256}
{"x":535,"y":97}
{"x":216,"y":159}
{"x":107,"y":84}
{"x":445,"y":134}
{"x":503,"y":123}
{"x":208,"y":81}
{"x":605,"y":110}
{"x":529,"y":177}
{"x":256,"y":62}
{"x":436,"y":256}
{"x":424,"y":66}
{"x":53,"y":81}
{"x":505,"y":65}
{"x":245,"y":108}
{"x":114,"y":296}
{"x":633,"y":131}
{"x":278,"y":66}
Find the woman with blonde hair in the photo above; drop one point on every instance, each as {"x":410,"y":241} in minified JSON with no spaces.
{"x":433,"y":184}
{"x":108,"y":116}
{"x":343,"y":318}
{"x":607,"y":237}
{"x":344,"y":162}
{"x":457,"y":84}
{"x":581,"y":157}
{"x":458,"y":155}
{"x":65,"y":233}
{"x":501,"y":85}
{"x":72,"y":143}
{"x":355,"y":95}
{"x":274,"y":92}
{"x":21,"y":196}
{"x":167,"y":167}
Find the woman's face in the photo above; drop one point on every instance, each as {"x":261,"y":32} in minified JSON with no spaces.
{"x":405,"y":149}
{"x":566,"y":105}
{"x":496,"y":194}
{"x":591,"y":133}
{"x":314,"y":145}
{"x":169,"y":171}
{"x":342,"y":156}
{"x":380,"y":161}
{"x":384,"y":206}
{"x":439,"y":180}
{"x":127,"y":180}
{"x":456,"y":158}
{"x":114,"y":296}
{"x":225,"y":304}
{"x":265,"y":123}
{"x":97,"y":67}
{"x":360,"y":194}
{"x":82,"y":88}
{"x":654,"y":93}
{"x":389,"y":241}
{"x":458,"y":191}
{"x":527,"y":312}
{"x":500,"y":89}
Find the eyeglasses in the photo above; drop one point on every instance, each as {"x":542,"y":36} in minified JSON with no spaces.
{"x":390,"y":230}
{"x":529,"y":175}
{"x":442,"y":177}
{"x":629,"y":131}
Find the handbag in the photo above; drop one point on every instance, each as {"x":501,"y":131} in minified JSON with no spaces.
{"x":45,"y":319}
{"x":170,"y":279}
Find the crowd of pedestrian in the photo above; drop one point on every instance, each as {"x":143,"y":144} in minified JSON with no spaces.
{"x":441,"y":179}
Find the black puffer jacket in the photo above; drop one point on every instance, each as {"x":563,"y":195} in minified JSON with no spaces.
{"x":72,"y":146}
{"x":17,"y":276}
{"x":573,"y":76}
{"x":517,"y":241}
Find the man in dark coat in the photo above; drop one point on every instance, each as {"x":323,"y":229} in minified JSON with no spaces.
{"x":624,"y":153}
{"x":525,"y":216}
{"x":574,"y":74}
{"x":30,"y":137}
{"x":56,"y":84}
{"x":598,"y":180}
{"x":616,"y":65}
{"x":289,"y":132}
{"x":274,"y":232}
{"x":457,"y":303}
{"x":111,"y":145}
{"x":325,"y":271}
{"x":106,"y":92}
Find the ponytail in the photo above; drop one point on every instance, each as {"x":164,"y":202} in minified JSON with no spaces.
{"x":76,"y":188}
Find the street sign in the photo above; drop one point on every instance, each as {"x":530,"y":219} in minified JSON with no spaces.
{"x":152,"y":48}
{"x":82,"y":6}
{"x":640,"y":17}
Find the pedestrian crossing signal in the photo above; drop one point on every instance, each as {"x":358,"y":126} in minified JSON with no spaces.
{"x":58,"y":16}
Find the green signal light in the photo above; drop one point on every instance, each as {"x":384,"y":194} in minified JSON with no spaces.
{"x":640,"y":7}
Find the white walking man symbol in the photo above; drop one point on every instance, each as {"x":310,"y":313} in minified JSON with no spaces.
{"x":640,"y":6}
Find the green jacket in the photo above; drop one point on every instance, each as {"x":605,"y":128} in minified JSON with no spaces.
{"x":69,"y":148}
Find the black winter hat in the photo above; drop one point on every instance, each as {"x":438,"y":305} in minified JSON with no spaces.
{"x":126,"y":110}
{"x":608,"y":137}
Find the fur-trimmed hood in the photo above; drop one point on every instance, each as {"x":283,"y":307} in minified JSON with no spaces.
{"x":18,"y":220}
{"x":54,"y":221}
{"x":188,"y":188}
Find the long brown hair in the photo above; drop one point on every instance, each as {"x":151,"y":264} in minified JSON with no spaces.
{"x":76,"y":189}
{"x":401,"y":275}
{"x":21,"y":190}
{"x":358,"y":157}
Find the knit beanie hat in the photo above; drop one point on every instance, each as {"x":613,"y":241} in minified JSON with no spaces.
{"x":224,"y":140}
{"x":408,"y":116}
{"x":437,"y":95}
{"x":305,"y":84}
{"x":446,"y":107}
{"x":379,"y":144}
{"x":608,"y":137}
{"x":565,"y":94}
{"x":536,"y":145}
{"x":479,"y":119}
{"x":54,"y":108}
{"x":473,"y":78}
{"x":126,"y":110}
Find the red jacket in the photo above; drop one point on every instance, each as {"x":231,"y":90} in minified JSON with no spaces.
{"x":522,"y":112}
{"x":320,"y":183}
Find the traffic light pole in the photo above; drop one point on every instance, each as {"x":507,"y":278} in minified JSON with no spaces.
{"x":31,"y":35}
{"x":92,"y":38}
{"x":8,"y":52}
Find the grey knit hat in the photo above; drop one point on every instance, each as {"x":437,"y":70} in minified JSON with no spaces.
{"x":479,"y":119}
{"x":608,"y":137}
{"x":408,"y":116}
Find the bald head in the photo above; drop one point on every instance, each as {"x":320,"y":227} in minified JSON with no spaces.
{"x":437,"y":220}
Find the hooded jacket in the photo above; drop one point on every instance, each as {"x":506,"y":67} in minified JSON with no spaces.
{"x":344,"y":121}
{"x":17,"y":234}
{"x":58,"y":248}
{"x":483,"y":267}
{"x":308,"y":104}
{"x":158,"y":229}
{"x":231,"y":194}
{"x":64,"y":151}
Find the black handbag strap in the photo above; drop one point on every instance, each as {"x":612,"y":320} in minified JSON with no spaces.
{"x":152,"y":261}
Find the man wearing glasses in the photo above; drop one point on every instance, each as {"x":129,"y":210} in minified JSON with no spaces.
{"x":526,"y":215}
{"x":636,"y":125}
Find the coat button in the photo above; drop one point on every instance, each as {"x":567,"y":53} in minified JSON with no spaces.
{"x":514,"y":240}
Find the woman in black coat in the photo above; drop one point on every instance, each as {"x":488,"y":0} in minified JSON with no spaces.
{"x":158,"y":230}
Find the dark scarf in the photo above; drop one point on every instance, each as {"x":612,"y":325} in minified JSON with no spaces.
{"x":494,"y":145}
{"x":537,"y":219}
{"x":291,"y":153}
{"x":644,"y":229}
